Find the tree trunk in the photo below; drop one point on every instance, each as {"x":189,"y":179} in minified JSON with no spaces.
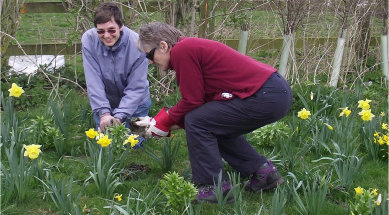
{"x":10,"y":21}
{"x":363,"y":33}
{"x":1,"y":37}
{"x":191,"y":28}
{"x":206,"y":24}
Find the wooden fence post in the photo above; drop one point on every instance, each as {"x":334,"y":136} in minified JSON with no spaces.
{"x":10,"y":23}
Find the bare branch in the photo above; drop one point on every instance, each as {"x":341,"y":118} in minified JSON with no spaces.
{"x":39,"y":68}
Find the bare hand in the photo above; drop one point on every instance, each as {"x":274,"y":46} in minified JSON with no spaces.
{"x":108,"y":120}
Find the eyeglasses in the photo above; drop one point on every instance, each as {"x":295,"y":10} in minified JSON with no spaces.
{"x":102,"y":31}
{"x":150,"y":55}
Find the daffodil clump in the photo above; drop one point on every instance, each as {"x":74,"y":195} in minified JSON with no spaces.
{"x":365,"y":201}
{"x":101,"y":138}
{"x":382,"y":137}
{"x":365,"y":113}
{"x":104,"y":141}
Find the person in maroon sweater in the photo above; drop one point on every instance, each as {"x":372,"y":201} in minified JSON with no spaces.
{"x":224,"y":95}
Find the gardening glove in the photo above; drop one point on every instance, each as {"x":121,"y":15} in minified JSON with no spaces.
{"x":160,"y":124}
{"x":140,"y":126}
{"x":143,"y":121}
{"x":108,"y":120}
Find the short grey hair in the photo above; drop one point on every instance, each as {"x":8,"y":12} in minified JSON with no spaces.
{"x":153,"y":33}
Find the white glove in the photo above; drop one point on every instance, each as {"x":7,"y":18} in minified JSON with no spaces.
{"x":145,"y":122}
{"x":159,"y":125}
{"x":108,"y":120}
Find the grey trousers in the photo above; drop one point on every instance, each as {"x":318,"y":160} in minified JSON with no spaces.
{"x":214,"y":130}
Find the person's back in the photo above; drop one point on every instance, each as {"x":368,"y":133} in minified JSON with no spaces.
{"x":222,"y":68}
{"x":115,"y":71}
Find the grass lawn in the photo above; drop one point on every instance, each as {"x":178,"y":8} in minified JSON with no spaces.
{"x":145,"y":172}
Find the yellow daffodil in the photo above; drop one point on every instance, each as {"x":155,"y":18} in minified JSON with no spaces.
{"x":382,"y":113}
{"x":384,"y":126}
{"x":345,"y":111}
{"x":32,"y":151}
{"x":304,"y":114}
{"x":380,"y":141}
{"x":118,"y":197}
{"x":366,"y":115}
{"x":104,"y":141}
{"x":374,"y":192}
{"x":311,"y":95}
{"x":364,"y":104}
{"x":329,"y":126}
{"x":384,"y":139}
{"x":132,"y":140}
{"x":91,"y":133}
{"x":15,"y":90}
{"x":376,"y":134}
{"x":358,"y":190}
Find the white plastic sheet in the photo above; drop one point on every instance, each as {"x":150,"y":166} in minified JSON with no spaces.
{"x":29,"y":64}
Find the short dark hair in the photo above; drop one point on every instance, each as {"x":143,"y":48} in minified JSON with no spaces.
{"x":105,"y":12}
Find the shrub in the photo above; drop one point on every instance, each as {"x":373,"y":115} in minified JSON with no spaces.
{"x":177,"y":190}
{"x":42,"y":132}
{"x":268,"y":135}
